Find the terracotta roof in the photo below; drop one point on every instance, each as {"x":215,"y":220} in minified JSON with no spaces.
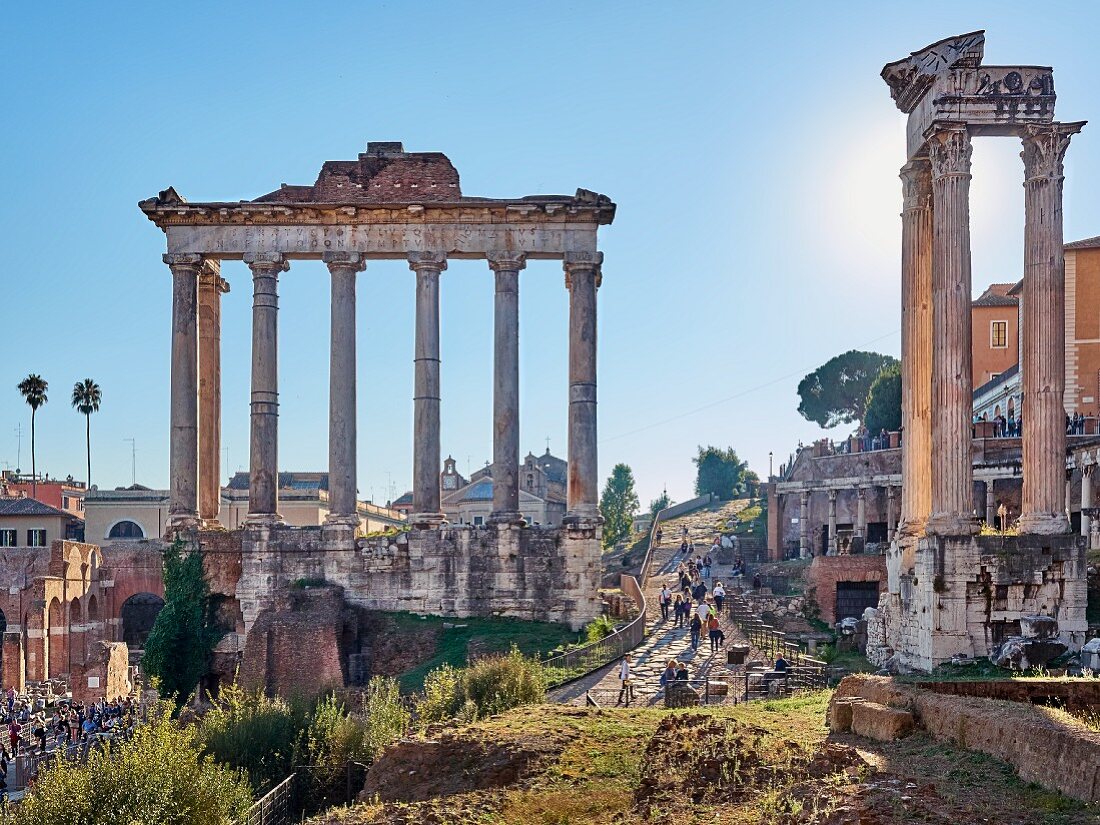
{"x":1087,"y":243}
{"x":996,"y":295}
{"x":29,"y":507}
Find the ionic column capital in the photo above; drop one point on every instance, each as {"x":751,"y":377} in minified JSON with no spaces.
{"x":267,"y":263}
{"x":804,"y":497}
{"x":183,"y":261}
{"x":950,"y":150}
{"x":344,"y":261}
{"x":1045,"y":149}
{"x":210,"y":276}
{"x":507,"y":261}
{"x":832,"y":496}
{"x":581,"y":262}
{"x":916,"y":184}
{"x":427,"y":261}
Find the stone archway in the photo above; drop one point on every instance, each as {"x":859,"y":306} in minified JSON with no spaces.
{"x":77,"y":631}
{"x":57,"y":633}
{"x":138,"y":613}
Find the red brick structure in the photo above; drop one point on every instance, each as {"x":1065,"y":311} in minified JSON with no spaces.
{"x":104,"y":674}
{"x":829,"y":575}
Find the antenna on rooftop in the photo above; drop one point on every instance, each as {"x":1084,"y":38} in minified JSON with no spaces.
{"x":133,"y":460}
{"x":18,"y":444}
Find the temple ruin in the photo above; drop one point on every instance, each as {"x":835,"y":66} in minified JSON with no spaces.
{"x":386,"y":204}
{"x":952,"y":593}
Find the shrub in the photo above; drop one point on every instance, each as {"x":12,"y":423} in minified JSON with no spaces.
{"x":160,"y":776}
{"x":488,"y":686}
{"x":599,"y":628}
{"x":264,"y":736}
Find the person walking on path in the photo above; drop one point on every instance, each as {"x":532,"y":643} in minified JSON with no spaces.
{"x":714,"y":633}
{"x":696,"y":629}
{"x":719,"y":594}
{"x":627,"y":689}
{"x":680,"y":609}
{"x":665,"y":599}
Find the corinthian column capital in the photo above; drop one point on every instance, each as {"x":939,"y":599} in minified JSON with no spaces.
{"x":431,"y":261}
{"x":1045,"y":149}
{"x":507,"y":261}
{"x":582,"y":262}
{"x":267,"y":263}
{"x":916,"y":184}
{"x":949,"y":149}
{"x":344,"y":261}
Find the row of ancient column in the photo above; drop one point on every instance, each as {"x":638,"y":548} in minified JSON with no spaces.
{"x":196,"y":386}
{"x":936,"y":335}
{"x":804,"y":542}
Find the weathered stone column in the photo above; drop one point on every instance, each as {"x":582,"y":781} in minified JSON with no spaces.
{"x":861,"y":512}
{"x":1086,"y":498}
{"x":426,"y":446}
{"x":891,"y":511}
{"x":183,"y":497}
{"x":507,"y":267}
{"x":804,"y":524}
{"x":1042,"y":354}
{"x":211,"y":287}
{"x":952,"y":470}
{"x":343,"y":268}
{"x":832,"y":523}
{"x":263,"y":461}
{"x":582,"y":279}
{"x":1069,"y":495}
{"x":916,"y":346}
{"x":990,"y":503}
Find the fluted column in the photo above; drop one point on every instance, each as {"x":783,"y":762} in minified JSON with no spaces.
{"x":263,"y":458}
{"x":916,"y":346}
{"x":343,"y":268}
{"x":183,"y":500}
{"x":582,"y":278}
{"x":861,"y":512}
{"x":1086,"y":498}
{"x":990,"y":503}
{"x":1042,"y":356}
{"x":891,"y":512}
{"x":952,"y":471}
{"x":507,"y":267}
{"x":832,"y":523}
{"x":211,"y":287}
{"x":804,"y":524}
{"x":426,"y":446}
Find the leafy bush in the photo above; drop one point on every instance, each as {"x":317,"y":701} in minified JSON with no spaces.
{"x":599,"y":628}
{"x":488,"y":686}
{"x":160,"y":776}
{"x":261,"y":735}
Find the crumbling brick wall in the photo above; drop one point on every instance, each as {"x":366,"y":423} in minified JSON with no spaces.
{"x":105,"y":674}
{"x":826,"y":571}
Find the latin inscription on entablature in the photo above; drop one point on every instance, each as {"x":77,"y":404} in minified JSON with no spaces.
{"x":992,"y":100}
{"x":389,"y":240}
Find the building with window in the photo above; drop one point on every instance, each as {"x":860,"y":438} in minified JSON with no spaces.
{"x":67,"y":494}
{"x":1083,"y":326}
{"x":26,"y":522}
{"x":542,"y":482}
{"x":995,"y":320}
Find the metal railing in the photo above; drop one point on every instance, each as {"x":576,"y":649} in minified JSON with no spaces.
{"x":276,"y":807}
{"x":593,"y":656}
{"x":804,"y":672}
{"x":671,"y":511}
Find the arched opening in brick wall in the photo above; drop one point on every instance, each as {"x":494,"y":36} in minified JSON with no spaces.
{"x":93,"y":609}
{"x":76,"y":634}
{"x":57,"y":659}
{"x":138,"y":614}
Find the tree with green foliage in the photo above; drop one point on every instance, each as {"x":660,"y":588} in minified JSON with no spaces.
{"x":660,"y":503}
{"x":160,"y":776}
{"x":33,"y":388}
{"x":836,"y":392}
{"x":884,"y":401}
{"x":618,"y":504}
{"x":178,"y":649}
{"x":719,"y":472}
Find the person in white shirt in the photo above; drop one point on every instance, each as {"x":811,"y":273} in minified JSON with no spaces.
{"x":703,"y":612}
{"x":665,"y":599}
{"x":627,"y":689}
{"x":719,"y":594}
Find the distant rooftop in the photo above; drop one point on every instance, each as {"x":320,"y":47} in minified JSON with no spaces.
{"x":997,"y":295}
{"x":1087,"y":243}
{"x":29,"y":507}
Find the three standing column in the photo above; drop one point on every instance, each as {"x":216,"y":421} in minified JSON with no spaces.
{"x":263,"y":463}
{"x":916,"y":346}
{"x":507,"y":267}
{"x":952,"y":474}
{"x":343,"y":510}
{"x":582,"y":279}
{"x":183,"y":512}
{"x":1042,"y":356}
{"x":426,"y":440}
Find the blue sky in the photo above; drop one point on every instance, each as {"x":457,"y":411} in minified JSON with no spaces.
{"x":752,"y":150}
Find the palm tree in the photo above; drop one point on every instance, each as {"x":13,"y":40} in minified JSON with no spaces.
{"x":33,"y":389}
{"x":86,"y":398}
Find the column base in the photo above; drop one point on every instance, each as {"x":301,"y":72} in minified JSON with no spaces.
{"x":179,"y":522}
{"x":263,"y":520}
{"x":341,"y":520}
{"x":506,"y":518}
{"x":582,"y":520}
{"x":909,"y":529}
{"x":427,"y":521}
{"x":211,"y":524}
{"x":952,"y":524}
{"x":1043,"y":524}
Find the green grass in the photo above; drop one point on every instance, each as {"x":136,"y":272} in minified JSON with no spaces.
{"x":495,"y":635}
